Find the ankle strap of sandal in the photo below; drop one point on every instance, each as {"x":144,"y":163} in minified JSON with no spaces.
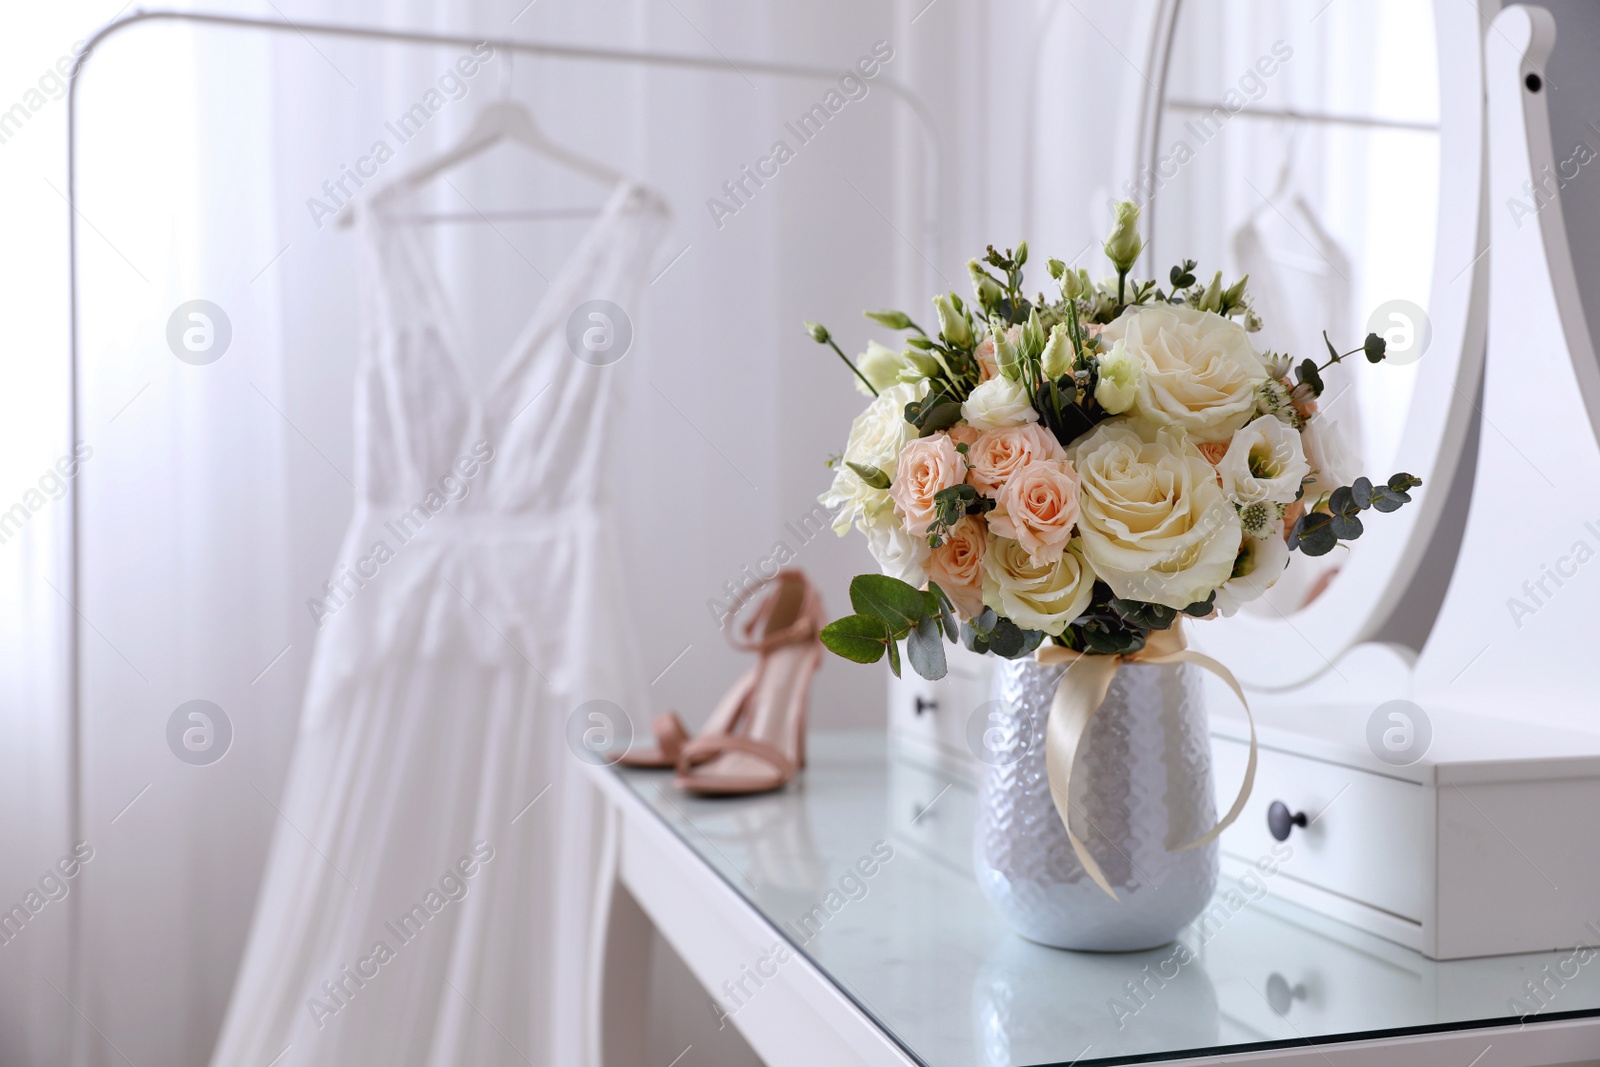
{"x":807,"y":623}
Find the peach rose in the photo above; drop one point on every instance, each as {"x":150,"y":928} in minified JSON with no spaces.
{"x":984,"y":353}
{"x":1037,"y":508}
{"x":998,"y":454}
{"x":926,"y":466}
{"x":962,"y":434}
{"x":957,"y":565}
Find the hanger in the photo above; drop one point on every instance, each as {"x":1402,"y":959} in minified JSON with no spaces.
{"x":503,"y":120}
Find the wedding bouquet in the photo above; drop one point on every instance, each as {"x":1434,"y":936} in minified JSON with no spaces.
{"x":1084,"y":469}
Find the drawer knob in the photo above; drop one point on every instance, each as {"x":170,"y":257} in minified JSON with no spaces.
{"x":926,"y":704}
{"x":1281,"y":821}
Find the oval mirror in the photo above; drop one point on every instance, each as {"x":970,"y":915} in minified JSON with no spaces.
{"x":1332,"y":151}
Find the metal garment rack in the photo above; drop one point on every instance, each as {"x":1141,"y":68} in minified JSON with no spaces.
{"x":385,"y":35}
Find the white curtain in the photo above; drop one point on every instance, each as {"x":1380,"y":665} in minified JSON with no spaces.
{"x":217,"y":493}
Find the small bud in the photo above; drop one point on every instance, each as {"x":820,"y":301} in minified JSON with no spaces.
{"x":893,"y":320}
{"x":1211,"y":299}
{"x":987,"y":289}
{"x":1125,"y":244}
{"x":953,"y":325}
{"x":1056,"y":268}
{"x":1056,"y":360}
{"x":1233,"y":296}
{"x":818,"y":332}
{"x":1022,"y":253}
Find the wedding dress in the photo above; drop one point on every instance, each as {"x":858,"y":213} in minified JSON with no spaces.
{"x":426,"y":900}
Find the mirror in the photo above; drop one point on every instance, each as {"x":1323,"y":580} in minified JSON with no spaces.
{"x":1332,"y":151}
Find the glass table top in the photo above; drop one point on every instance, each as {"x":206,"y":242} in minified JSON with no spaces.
{"x":864,"y":866}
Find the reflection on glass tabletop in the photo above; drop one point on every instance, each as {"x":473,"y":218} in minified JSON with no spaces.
{"x":863,"y":864}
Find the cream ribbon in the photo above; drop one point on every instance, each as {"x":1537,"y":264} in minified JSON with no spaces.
{"x":1075,"y":704}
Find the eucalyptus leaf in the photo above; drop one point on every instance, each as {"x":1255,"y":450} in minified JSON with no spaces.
{"x":899,"y":605}
{"x":894,"y":658}
{"x":858,"y":638}
{"x":925,"y":649}
{"x":1375,"y":347}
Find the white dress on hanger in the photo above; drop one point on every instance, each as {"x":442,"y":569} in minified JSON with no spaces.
{"x":415,"y":910}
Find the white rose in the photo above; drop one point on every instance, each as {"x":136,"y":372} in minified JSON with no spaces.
{"x":1264,"y":461}
{"x":1333,"y":462}
{"x":999,"y":402}
{"x":899,"y":554}
{"x":1152,"y":518}
{"x":1200,"y":373}
{"x":880,"y":365}
{"x":876,"y":438}
{"x":1120,"y":375}
{"x":1036,"y":596}
{"x":1257,"y":568}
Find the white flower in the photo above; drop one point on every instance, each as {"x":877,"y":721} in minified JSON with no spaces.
{"x":1120,"y":375}
{"x":899,"y":554}
{"x":880,"y":365}
{"x":1200,"y":372}
{"x":1153,"y":520}
{"x":1257,"y":568}
{"x":1036,"y":596}
{"x":876,"y":438}
{"x":953,"y":325}
{"x":998,"y":402}
{"x":1333,"y":462}
{"x":1264,"y":461}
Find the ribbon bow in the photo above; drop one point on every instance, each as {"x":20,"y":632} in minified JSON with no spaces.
{"x":1075,"y":704}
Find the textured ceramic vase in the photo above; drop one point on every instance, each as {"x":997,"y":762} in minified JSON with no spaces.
{"x":1141,"y":787}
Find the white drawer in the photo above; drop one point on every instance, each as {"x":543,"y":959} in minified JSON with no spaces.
{"x":1368,"y":837}
{"x":932,"y":718}
{"x":932,"y":813}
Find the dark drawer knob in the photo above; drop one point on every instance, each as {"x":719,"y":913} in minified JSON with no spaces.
{"x":1280,"y":820}
{"x":924,"y":704}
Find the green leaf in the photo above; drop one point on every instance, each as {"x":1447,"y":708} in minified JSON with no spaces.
{"x":1361,"y":490}
{"x":858,"y":638}
{"x":899,"y":605}
{"x":873,"y":476}
{"x":1313,"y":534}
{"x":1345,"y":514}
{"x":894,"y":658}
{"x":1375,"y":347}
{"x":1332,"y":352}
{"x":1402,"y":482}
{"x":1143,"y":615}
{"x":1201,"y":609}
{"x":925,"y":649}
{"x":894,"y":320}
{"x":1307,"y":374}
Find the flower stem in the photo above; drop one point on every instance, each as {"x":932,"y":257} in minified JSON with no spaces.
{"x":853,"y":369}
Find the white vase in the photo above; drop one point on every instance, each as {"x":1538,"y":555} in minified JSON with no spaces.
{"x":1141,"y":787}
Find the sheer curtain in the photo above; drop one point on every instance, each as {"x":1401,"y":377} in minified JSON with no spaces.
{"x":217,"y":491}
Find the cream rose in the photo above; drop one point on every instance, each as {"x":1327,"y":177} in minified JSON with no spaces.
{"x":1258,"y":566}
{"x":998,"y":402}
{"x":925,"y":467}
{"x":1037,"y":507}
{"x":1264,"y":461}
{"x":1036,"y":596}
{"x":957,"y":565}
{"x":995,"y":455}
{"x":1153,"y":520}
{"x":876,"y":438}
{"x":899,"y":554}
{"x":1199,"y":372}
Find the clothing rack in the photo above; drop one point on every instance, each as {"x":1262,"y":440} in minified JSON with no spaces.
{"x":1316,"y":118}
{"x":744,"y":68}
